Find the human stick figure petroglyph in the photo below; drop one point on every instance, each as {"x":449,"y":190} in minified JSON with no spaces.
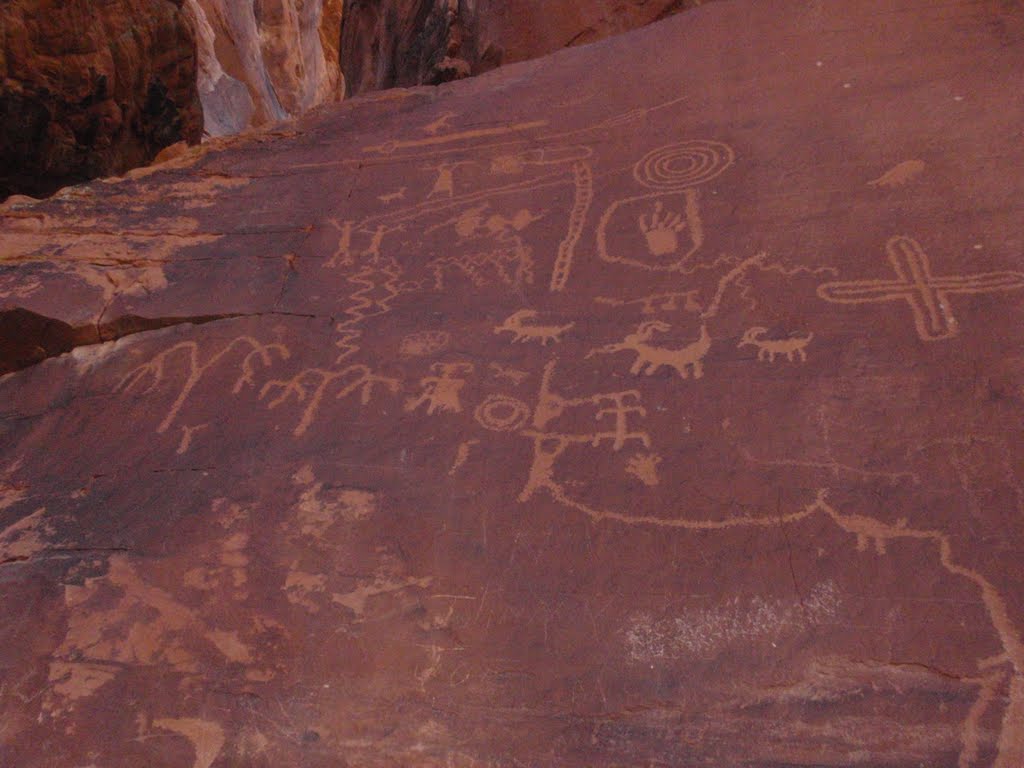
{"x":444,"y":184}
{"x":156,"y":369}
{"x":768,"y":349}
{"x":518,"y":325}
{"x":310,"y":385}
{"x":927,"y":295}
{"x":441,"y":392}
{"x":649,"y":358}
{"x":549,"y":445}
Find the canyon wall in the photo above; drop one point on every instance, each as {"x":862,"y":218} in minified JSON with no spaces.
{"x":265,"y":61}
{"x":91,"y":88}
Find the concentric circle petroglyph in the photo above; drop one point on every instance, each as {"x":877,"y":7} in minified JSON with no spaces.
{"x":501,"y":413}
{"x":685,"y":164}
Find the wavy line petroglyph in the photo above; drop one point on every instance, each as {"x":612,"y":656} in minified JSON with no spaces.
{"x":926,"y":295}
{"x":518,"y":324}
{"x":156,"y":369}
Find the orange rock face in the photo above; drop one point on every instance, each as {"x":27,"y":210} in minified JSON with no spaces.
{"x":654,"y":403}
{"x":90,"y":89}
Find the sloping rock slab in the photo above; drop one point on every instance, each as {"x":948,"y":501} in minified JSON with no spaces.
{"x":656,"y":403}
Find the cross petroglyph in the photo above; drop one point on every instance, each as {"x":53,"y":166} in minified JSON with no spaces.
{"x":927,"y":295}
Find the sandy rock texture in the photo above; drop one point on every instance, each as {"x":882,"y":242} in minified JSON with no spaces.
{"x":265,"y":60}
{"x":654,"y":403}
{"x":90,"y":89}
{"x":387,"y":43}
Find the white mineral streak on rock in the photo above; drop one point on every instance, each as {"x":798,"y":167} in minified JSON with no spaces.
{"x":256,"y":69}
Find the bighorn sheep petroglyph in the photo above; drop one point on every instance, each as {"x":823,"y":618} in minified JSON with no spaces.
{"x":516,"y":325}
{"x":768,"y":349}
{"x":649,"y":358}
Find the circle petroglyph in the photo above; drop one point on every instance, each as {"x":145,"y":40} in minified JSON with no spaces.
{"x":501,"y":413}
{"x":685,"y":164}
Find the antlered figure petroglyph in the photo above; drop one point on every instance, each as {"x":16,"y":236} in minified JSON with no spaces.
{"x":310,"y":385}
{"x":156,"y":369}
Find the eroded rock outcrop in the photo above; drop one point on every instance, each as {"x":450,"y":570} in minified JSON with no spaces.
{"x":654,"y":403}
{"x":91,"y":89}
{"x":387,"y":43}
{"x":268,"y":60}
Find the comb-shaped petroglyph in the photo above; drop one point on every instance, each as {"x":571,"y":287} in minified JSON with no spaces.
{"x":793,"y":348}
{"x":310,"y":386}
{"x":686,"y":361}
{"x":925,"y":294}
{"x":522,"y":329}
{"x":156,"y":370}
{"x":670,"y":301}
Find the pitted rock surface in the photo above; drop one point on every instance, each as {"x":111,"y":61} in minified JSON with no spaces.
{"x":655,"y":403}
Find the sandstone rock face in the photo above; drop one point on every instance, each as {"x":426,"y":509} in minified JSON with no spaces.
{"x":654,"y":403}
{"x":412,"y":42}
{"x":90,"y":89}
{"x":262,"y":61}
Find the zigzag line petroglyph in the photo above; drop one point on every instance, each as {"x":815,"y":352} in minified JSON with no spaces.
{"x":583,"y":196}
{"x":156,"y":369}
